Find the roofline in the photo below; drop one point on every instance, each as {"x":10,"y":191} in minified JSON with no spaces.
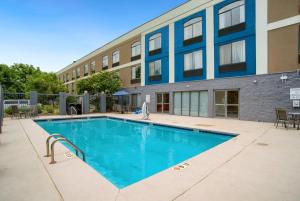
{"x":87,"y":56}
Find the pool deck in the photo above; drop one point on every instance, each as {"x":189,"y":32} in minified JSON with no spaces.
{"x":261,"y":164}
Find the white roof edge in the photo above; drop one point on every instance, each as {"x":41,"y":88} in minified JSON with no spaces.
{"x":166,"y":16}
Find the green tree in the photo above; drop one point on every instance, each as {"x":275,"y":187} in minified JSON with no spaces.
{"x":45,"y":83}
{"x":108,"y":82}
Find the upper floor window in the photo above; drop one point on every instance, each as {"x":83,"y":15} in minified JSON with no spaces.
{"x":233,"y":53}
{"x":232,"y":14}
{"x":73,"y":74}
{"x":155,"y":68}
{"x":64,"y":78}
{"x":116,"y":57}
{"x":86,"y":69}
{"x":93,"y":66}
{"x":193,"y":28}
{"x":78,"y":73}
{"x":136,"y":72}
{"x":193,"y":61}
{"x":104,"y":61}
{"x":67,"y":77}
{"x":155,"y":42}
{"x":136,"y":49}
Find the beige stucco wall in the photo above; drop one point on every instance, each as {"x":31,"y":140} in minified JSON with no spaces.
{"x":283,"y":49}
{"x":281,"y":9}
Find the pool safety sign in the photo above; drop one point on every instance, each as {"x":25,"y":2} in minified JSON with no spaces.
{"x":295,"y":93}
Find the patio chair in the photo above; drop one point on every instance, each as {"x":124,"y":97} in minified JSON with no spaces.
{"x":15,"y":111}
{"x":282,"y":117}
{"x":33,"y":111}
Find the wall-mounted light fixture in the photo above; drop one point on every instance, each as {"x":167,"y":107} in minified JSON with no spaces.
{"x":283,"y":77}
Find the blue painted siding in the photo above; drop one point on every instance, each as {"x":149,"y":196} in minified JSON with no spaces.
{"x":248,"y":34}
{"x":164,"y":56}
{"x":180,"y":49}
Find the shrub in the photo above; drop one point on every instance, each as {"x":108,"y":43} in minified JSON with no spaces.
{"x":8,"y":111}
{"x":49,"y":109}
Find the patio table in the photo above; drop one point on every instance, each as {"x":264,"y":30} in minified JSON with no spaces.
{"x":295,"y":117}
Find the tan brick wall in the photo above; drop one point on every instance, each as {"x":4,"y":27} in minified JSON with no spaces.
{"x":281,"y":9}
{"x":125,"y":76}
{"x":283,"y":49}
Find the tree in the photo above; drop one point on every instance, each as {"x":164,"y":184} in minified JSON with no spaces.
{"x":108,"y":82}
{"x":45,"y":83}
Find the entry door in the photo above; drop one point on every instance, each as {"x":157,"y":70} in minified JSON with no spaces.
{"x":227,"y":103}
{"x":162,"y":102}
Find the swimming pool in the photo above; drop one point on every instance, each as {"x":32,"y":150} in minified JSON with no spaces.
{"x":125,"y":151}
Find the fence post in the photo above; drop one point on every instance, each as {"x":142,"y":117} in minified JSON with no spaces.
{"x":62,"y":103}
{"x":102,"y":103}
{"x":33,"y":98}
{"x":85,"y":103}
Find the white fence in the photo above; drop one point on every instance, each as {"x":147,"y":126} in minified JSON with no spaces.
{"x":19,"y":103}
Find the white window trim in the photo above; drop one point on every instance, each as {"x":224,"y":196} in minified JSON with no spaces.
{"x":155,"y":62}
{"x":193,"y":60}
{"x":155,"y":37}
{"x":245,"y":56}
{"x":105,"y":60}
{"x":192,"y":23}
{"x":133,"y":47}
{"x":116,"y":53}
{"x":229,"y":8}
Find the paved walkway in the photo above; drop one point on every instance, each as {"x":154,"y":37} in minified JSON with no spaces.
{"x":261,"y":164}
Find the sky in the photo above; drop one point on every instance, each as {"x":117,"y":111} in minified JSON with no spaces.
{"x":51,"y":34}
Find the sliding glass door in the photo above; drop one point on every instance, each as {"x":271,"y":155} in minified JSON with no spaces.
{"x":191,"y":103}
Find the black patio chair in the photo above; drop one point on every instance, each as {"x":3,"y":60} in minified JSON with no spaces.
{"x":283,"y":118}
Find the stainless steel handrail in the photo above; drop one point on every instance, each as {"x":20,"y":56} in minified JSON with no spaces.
{"x":47,"y":143}
{"x":72,"y":108}
{"x":70,"y":143}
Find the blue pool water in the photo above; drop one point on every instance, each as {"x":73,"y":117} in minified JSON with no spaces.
{"x":126,"y":152}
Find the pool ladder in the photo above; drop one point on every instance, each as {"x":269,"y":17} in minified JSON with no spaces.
{"x":60,"y":138}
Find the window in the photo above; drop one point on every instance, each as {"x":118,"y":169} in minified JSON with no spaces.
{"x":191,"y":103}
{"x":93,"y":67}
{"x":155,"y":42}
{"x":73,"y":74}
{"x":155,"y":68}
{"x":193,"y":61}
{"x":227,"y":103}
{"x":233,"y":53}
{"x":64,"y":78}
{"x":136,"y":72}
{"x":193,"y":28}
{"x":78,"y":73}
{"x":136,"y":49}
{"x":232,"y":14}
{"x":67,"y":75}
{"x":105,"y":61}
{"x":86,"y":69}
{"x":116,"y":57}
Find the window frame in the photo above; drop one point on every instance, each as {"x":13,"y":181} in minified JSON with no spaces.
{"x":86,"y":69}
{"x":232,"y":27}
{"x":154,"y":37}
{"x":93,"y":67}
{"x":155,"y":77}
{"x":237,"y":66}
{"x":77,"y":72}
{"x":135,"y":45}
{"x":105,"y":58}
{"x":192,"y":24}
{"x":114,"y":54}
{"x":135,"y":79}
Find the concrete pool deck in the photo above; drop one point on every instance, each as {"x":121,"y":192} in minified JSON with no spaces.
{"x":261,"y":163}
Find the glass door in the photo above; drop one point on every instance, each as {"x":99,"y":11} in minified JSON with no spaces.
{"x":227,"y":103}
{"x":162,"y":102}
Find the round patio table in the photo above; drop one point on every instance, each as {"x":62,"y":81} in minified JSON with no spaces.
{"x":295,"y":117}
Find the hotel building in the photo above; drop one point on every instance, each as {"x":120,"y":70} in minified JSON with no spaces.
{"x":210,"y":58}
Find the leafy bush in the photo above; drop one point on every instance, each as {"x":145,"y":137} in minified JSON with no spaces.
{"x":48,"y":109}
{"x":8,"y":111}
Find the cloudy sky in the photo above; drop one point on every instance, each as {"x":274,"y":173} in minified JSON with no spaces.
{"x":52,"y":33}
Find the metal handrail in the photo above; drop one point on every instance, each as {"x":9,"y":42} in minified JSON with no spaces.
{"x":70,"y":143}
{"x":72,"y":108}
{"x":47,"y":143}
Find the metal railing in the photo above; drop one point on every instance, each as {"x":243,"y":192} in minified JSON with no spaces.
{"x":73,"y":110}
{"x":61,"y":138}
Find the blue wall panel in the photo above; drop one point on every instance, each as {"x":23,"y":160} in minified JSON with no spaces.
{"x":164,"y":56}
{"x":248,"y":34}
{"x":180,"y":49}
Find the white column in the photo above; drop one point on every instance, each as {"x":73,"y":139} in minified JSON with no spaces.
{"x":171,"y":53}
{"x":261,"y":36}
{"x":143,"y":60}
{"x":210,"y":62}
